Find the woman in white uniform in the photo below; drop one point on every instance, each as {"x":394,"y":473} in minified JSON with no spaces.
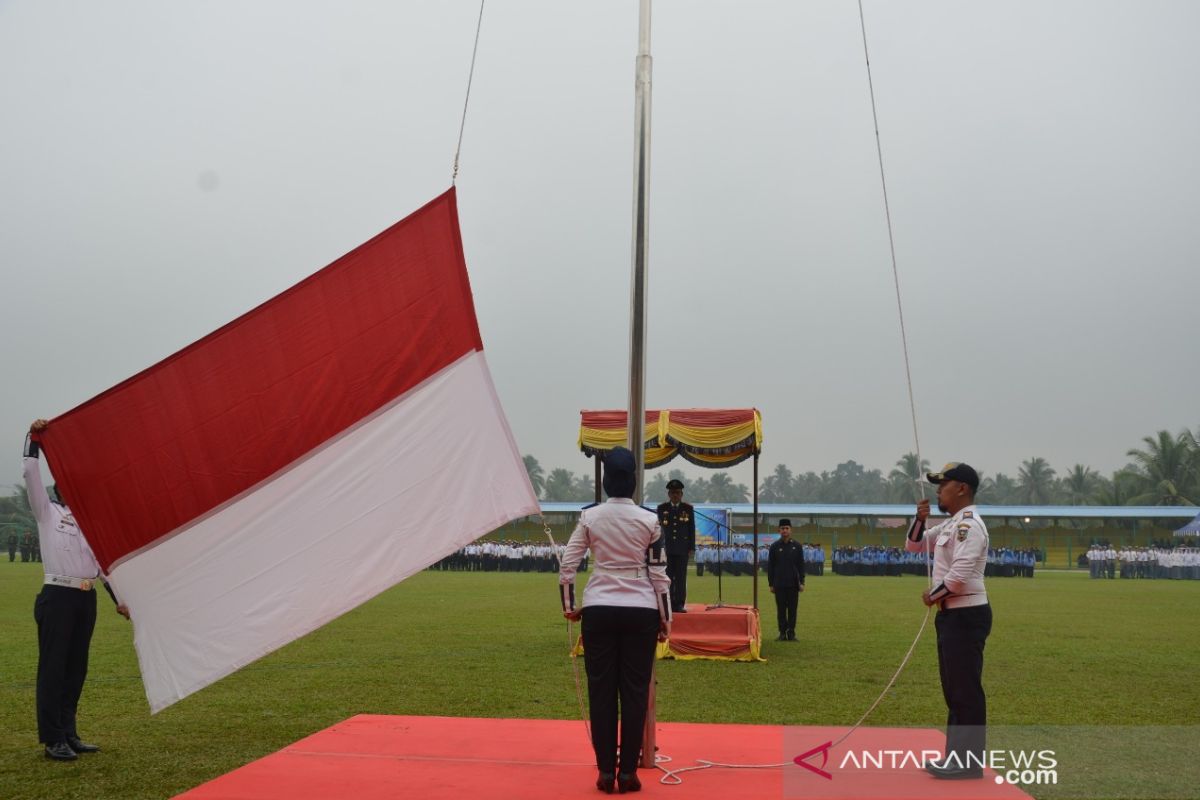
{"x":626,"y":608}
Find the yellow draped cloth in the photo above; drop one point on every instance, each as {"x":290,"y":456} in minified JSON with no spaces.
{"x":707,"y":437}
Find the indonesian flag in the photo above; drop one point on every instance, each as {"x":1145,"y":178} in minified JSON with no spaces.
{"x":298,"y":461}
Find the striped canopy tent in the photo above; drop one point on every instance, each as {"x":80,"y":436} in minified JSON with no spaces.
{"x":715,"y":438}
{"x":707,"y":437}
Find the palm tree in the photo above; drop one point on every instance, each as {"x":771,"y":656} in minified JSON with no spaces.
{"x":721,"y":489}
{"x":537,"y":475}
{"x":1079,"y":485}
{"x":1035,"y":482}
{"x":1166,"y":470}
{"x":584,"y":488}
{"x":903,"y":480}
{"x":1117,"y":490}
{"x":779,"y":486}
{"x":1000,"y":490}
{"x":560,"y":486}
{"x":697,"y":491}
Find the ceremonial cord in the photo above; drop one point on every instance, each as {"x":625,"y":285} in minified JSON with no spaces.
{"x":887,"y":210}
{"x":470,"y":76}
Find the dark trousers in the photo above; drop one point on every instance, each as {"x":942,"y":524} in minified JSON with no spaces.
{"x":961,"y":636}
{"x":786,"y":600}
{"x":677,"y":572}
{"x":65,"y":618}
{"x":618,"y":650}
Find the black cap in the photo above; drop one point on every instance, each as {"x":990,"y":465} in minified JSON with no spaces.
{"x":674,"y":483}
{"x":620,"y":473}
{"x":785,"y":523}
{"x":954,"y":471}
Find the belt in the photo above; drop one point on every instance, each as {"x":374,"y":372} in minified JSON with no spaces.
{"x":83,"y":584}
{"x":621,"y":572}
{"x":964,"y":601}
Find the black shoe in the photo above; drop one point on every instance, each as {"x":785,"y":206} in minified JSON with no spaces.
{"x":953,"y":773}
{"x":680,"y":611}
{"x":60,"y":751}
{"x":82,"y":747}
{"x":628,"y":782}
{"x":605,"y":781}
{"x":781,"y":637}
{"x":791,"y":635}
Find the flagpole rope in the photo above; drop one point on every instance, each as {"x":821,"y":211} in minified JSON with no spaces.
{"x":887,"y":210}
{"x":470,"y":77}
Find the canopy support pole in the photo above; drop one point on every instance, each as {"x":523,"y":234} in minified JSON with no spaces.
{"x":756,"y":529}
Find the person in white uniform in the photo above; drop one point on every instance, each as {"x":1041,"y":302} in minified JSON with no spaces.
{"x":964,"y":619}
{"x":626,"y":607}
{"x":65,"y":612}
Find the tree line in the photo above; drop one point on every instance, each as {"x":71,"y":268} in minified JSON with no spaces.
{"x":1163,"y":471}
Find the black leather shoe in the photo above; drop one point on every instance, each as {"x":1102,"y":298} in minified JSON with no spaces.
{"x":791,"y":636}
{"x":82,"y":747}
{"x":680,"y":611}
{"x":781,"y":637}
{"x":953,"y":773}
{"x":60,"y":751}
{"x":628,"y":782}
{"x":605,"y":781}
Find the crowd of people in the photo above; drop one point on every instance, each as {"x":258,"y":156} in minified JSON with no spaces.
{"x":505,"y":556}
{"x":1162,"y":563}
{"x":27,"y":545}
{"x":1002,"y":562}
{"x":738,"y":559}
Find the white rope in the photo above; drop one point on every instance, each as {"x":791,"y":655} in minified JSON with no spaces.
{"x":887,"y":209}
{"x":470,"y":76}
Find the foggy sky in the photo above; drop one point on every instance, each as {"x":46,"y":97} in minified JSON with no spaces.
{"x":165,"y":167}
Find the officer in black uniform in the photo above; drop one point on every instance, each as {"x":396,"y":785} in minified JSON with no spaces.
{"x":785,"y":575}
{"x":678,"y":522}
{"x":12,"y":547}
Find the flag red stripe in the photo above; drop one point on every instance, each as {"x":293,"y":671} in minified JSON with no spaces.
{"x":199,"y":428}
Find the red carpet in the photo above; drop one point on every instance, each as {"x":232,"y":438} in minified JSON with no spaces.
{"x":726,"y":633}
{"x":442,"y":758}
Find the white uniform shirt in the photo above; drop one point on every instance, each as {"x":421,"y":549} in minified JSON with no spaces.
{"x":626,"y":570}
{"x":64,"y":550}
{"x":960,"y":550}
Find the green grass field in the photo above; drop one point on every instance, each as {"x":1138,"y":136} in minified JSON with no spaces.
{"x":1065,"y":650}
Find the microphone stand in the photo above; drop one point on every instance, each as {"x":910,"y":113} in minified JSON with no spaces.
{"x":720,"y":569}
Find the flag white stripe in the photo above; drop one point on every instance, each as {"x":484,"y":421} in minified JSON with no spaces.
{"x":416,"y":482}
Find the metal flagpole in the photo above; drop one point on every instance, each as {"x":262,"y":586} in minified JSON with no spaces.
{"x":641,"y":250}
{"x":637,"y":301}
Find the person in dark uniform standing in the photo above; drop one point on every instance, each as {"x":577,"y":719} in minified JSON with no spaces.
{"x":678,"y":522}
{"x":12,"y":547}
{"x":65,"y":612}
{"x":785,"y":576}
{"x":964,"y":618}
{"x":626,"y":607}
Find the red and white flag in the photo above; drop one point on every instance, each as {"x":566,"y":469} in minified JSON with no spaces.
{"x":298,"y":461}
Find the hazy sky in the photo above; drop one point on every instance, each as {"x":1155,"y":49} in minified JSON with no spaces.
{"x":164,"y":167}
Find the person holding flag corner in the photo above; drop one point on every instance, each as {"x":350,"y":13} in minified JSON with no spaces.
{"x":65,"y":611}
